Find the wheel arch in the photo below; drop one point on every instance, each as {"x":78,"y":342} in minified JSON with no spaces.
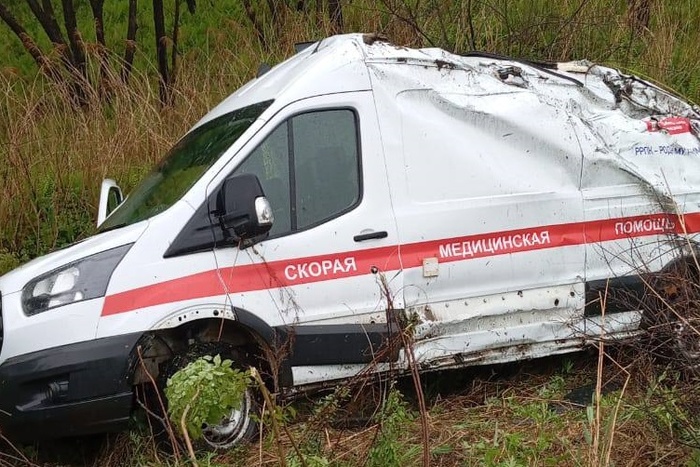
{"x":262,"y":345}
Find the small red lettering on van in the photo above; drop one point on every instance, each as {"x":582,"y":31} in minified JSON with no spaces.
{"x":670,"y":125}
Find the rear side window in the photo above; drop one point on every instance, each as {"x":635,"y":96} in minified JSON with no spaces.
{"x":309,"y":168}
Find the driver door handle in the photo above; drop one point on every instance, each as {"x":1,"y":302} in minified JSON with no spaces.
{"x":370,"y":236}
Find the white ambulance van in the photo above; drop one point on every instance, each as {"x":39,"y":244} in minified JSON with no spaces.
{"x":354,"y":189}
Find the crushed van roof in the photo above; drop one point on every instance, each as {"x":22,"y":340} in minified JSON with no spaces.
{"x":339,"y":64}
{"x":597,"y":109}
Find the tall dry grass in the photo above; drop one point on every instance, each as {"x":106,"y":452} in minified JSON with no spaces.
{"x":53,"y":156}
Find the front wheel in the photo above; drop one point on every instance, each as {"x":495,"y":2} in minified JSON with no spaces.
{"x":234,"y":429}
{"x":240,"y":425}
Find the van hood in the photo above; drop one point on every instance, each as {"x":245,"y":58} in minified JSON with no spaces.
{"x":15,"y":280}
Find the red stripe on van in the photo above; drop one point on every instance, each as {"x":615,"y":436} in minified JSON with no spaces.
{"x":253,"y":277}
{"x":297,"y":271}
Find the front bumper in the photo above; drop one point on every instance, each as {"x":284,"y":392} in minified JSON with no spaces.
{"x":71,"y":390}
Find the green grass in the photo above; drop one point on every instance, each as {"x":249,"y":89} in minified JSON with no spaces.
{"x":198,"y":31}
{"x":503,"y":417}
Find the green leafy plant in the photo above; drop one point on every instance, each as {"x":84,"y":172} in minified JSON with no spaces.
{"x":389,"y":448}
{"x":204,"y":392}
{"x":672,"y":407}
{"x":309,"y":461}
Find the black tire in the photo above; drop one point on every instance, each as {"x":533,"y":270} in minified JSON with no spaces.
{"x":240,"y":426}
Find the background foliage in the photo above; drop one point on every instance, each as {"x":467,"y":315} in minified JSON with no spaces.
{"x":53,"y":154}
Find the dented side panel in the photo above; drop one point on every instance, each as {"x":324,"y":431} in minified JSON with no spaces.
{"x":478,"y":145}
{"x":490,"y":168}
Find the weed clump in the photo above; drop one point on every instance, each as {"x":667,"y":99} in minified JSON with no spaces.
{"x":204,"y":392}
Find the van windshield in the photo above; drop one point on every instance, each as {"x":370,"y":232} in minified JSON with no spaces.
{"x":182,"y":166}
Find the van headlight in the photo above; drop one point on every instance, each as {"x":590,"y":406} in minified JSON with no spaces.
{"x":80,"y":280}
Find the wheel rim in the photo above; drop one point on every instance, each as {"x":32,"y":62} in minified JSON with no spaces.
{"x":232,"y":428}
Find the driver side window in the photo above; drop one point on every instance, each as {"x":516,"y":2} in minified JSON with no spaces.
{"x":309,"y":169}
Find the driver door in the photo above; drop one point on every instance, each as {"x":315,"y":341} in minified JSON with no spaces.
{"x":318,"y":275}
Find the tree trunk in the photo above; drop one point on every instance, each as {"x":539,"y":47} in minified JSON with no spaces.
{"x":277,"y":11}
{"x":174,"y":51}
{"x":74,"y":39}
{"x":77,"y":48}
{"x":30,"y":46}
{"x":470,"y":20}
{"x":47,"y":19}
{"x":72,"y":89}
{"x":273,"y":9}
{"x":335,"y":14}
{"x":130,"y":48}
{"x":98,"y":16}
{"x":161,"y":51}
{"x":257,"y":25}
{"x":638,"y":15}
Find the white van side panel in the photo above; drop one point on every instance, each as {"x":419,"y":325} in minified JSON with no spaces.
{"x":147,"y":288}
{"x":487,"y":202}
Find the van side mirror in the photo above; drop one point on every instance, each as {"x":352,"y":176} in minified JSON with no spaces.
{"x":110,"y":198}
{"x":242,"y":208}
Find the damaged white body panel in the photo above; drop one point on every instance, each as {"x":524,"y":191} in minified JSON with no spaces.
{"x":486,"y":204}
